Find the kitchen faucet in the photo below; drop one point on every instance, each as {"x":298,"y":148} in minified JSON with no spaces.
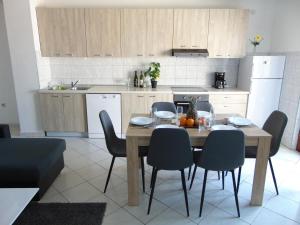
{"x":73,"y":85}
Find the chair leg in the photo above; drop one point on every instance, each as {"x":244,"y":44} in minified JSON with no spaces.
{"x":203,"y":192}
{"x":273,"y":175}
{"x":185,"y":193}
{"x":109,"y":173}
{"x":193,"y":176}
{"x":235,"y":193}
{"x":226,"y":173}
{"x":223,"y":183}
{"x":152,"y":190}
{"x":143,"y":173}
{"x":239,"y":178}
{"x":152,"y":174}
{"x":190,"y":170}
{"x":218,"y":175}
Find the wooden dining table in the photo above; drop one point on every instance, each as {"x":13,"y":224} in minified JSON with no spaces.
{"x":254,"y":136}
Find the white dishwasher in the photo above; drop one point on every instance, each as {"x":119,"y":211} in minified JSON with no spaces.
{"x":98,"y":102}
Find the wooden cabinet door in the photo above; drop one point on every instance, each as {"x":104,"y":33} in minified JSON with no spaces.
{"x":50,"y":39}
{"x":62,"y":31}
{"x":51,"y":106}
{"x":134,"y":32}
{"x":158,"y":97}
{"x":103,"y":32}
{"x":227,"y":33}
{"x":190,"y":28}
{"x":239,"y":19}
{"x":74,"y":112}
{"x":218,"y":38}
{"x":159,"y":32}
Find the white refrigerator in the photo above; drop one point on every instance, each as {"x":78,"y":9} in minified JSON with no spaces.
{"x":262,"y":77}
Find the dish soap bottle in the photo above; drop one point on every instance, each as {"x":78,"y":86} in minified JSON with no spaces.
{"x":136,"y":79}
{"x":142,"y":79}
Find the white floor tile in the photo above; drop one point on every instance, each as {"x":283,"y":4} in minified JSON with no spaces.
{"x":170,"y":217}
{"x":141,"y":211}
{"x":111,"y":206}
{"x":81,"y":193}
{"x":92,"y":171}
{"x":284,"y":207}
{"x":267,"y":217}
{"x":120,"y":217}
{"x":67,"y":180}
{"x":219,"y":217}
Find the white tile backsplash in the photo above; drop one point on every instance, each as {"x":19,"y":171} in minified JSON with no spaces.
{"x":109,"y":71}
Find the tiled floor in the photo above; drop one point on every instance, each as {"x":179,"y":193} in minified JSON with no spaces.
{"x":87,"y":162}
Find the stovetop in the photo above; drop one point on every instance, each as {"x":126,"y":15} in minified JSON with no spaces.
{"x":188,"y":89}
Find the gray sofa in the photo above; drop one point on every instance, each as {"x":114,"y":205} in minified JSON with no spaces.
{"x":29,"y":162}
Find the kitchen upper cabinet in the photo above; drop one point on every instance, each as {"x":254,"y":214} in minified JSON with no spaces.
{"x":103,"y":32}
{"x":63,"y":112}
{"x":61,"y":31}
{"x":227,"y":33}
{"x":190,"y":28}
{"x":159,"y":32}
{"x":134,"y":32}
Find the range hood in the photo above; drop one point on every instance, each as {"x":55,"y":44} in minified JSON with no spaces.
{"x":189,"y":52}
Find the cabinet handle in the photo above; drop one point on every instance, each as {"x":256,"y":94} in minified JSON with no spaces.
{"x":107,"y":54}
{"x":57,"y":54}
{"x":54,"y":96}
{"x":195,"y":46}
{"x":140,"y":96}
{"x":228,"y":55}
{"x":104,"y":96}
{"x":97,"y":55}
{"x":66,"y":96}
{"x":265,"y":62}
{"x":69,"y":54}
{"x":225,"y":106}
{"x":139,"y":54}
{"x":182,"y":46}
{"x":151,"y":54}
{"x":152,"y":96}
{"x":226,"y":97}
{"x":218,"y":55}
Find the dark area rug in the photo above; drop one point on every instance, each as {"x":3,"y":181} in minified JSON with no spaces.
{"x":62,"y":214}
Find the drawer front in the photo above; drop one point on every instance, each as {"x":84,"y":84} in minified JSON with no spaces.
{"x":228,"y":99}
{"x":239,"y":109}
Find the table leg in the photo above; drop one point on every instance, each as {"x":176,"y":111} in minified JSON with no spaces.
{"x":261,"y":164}
{"x":132,"y":171}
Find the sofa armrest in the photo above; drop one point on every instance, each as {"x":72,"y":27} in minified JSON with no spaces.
{"x":4,"y":131}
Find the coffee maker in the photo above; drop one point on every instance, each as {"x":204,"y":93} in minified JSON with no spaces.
{"x":220,"y":81}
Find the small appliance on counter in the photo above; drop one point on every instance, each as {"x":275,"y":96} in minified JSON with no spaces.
{"x":220,"y":81}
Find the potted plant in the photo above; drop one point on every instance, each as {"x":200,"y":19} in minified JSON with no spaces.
{"x":154,"y":73}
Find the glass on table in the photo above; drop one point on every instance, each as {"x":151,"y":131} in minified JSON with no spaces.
{"x":153,"y":110}
{"x":179,"y":114}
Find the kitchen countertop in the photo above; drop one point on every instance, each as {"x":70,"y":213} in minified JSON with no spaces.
{"x":124,"y":89}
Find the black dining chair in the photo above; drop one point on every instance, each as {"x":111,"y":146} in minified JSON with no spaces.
{"x":274,"y":125}
{"x":170,"y":149}
{"x":224,"y":150}
{"x":117,"y":146}
{"x":165,"y":106}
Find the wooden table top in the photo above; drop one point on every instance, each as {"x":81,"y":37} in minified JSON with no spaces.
{"x":251,"y":131}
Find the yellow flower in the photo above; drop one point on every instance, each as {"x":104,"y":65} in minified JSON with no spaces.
{"x":258,"y":38}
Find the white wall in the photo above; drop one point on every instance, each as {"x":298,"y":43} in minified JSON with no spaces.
{"x":8,"y":105}
{"x":286,"y":32}
{"x":261,"y":18}
{"x":23,"y":61}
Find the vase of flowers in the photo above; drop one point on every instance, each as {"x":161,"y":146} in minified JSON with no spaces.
{"x":256,"y":41}
{"x":154,"y":73}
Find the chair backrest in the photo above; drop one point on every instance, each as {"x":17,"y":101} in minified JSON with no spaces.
{"x":109,"y":131}
{"x":223,"y":150}
{"x":170,"y":149}
{"x":275,"y":125}
{"x":164,"y":106}
{"x":203,"y":106}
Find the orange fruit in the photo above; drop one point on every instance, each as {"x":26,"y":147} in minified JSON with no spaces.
{"x":190,"y":122}
{"x":183,"y":121}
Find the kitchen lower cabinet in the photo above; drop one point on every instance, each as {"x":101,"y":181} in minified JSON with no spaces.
{"x":63,"y":112}
{"x":229,"y":103}
{"x":140,"y":103}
